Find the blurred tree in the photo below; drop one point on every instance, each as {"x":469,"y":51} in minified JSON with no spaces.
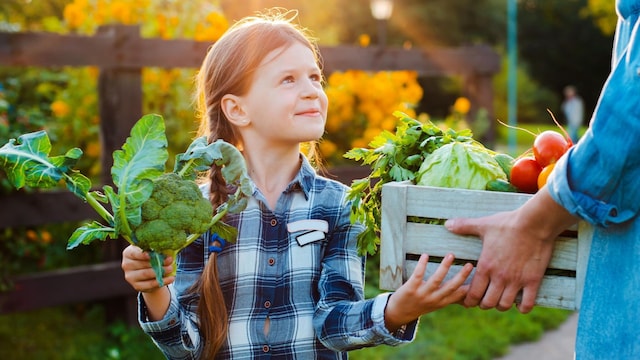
{"x":28,"y":14}
{"x":561,"y":47}
{"x":603,"y":14}
{"x":449,"y":23}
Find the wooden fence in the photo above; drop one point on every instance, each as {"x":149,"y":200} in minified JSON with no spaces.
{"x":120,"y":54}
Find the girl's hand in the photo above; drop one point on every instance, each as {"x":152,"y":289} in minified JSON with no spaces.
{"x":418,"y":296}
{"x":138,"y":272}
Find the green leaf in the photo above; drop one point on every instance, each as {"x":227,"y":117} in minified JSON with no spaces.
{"x":225,"y":231}
{"x":199,"y":156}
{"x":89,"y":232}
{"x":142,"y":158}
{"x":26,"y":162}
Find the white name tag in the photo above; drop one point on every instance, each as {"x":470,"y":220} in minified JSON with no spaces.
{"x":313,"y":230}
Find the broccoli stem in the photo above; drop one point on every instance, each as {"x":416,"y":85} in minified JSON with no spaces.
{"x":186,"y":167}
{"x":174,"y":263}
{"x":93,"y":202}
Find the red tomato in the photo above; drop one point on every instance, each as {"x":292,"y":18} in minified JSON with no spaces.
{"x":524,"y":174}
{"x":549,"y":146}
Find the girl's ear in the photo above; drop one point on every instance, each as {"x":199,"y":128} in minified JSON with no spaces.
{"x":232,"y":107}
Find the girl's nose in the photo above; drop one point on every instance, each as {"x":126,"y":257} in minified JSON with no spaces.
{"x":311,"y":89}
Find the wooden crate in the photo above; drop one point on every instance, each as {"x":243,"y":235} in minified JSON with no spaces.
{"x":404,"y":238}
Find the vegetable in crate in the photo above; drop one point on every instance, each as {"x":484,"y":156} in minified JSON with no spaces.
{"x":160,"y":212}
{"x":424,"y":154}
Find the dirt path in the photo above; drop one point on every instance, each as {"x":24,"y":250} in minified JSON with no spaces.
{"x":557,"y":344}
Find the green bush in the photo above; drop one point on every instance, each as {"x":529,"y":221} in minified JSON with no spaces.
{"x":457,"y":333}
{"x":82,"y":332}
{"x":72,"y":332}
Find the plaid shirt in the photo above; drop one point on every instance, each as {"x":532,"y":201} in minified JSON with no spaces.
{"x":296,"y":266}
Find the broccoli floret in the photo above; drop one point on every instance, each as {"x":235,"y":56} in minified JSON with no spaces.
{"x":175,"y":209}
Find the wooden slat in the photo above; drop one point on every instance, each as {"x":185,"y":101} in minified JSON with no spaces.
{"x":446,"y":203}
{"x":33,"y":209}
{"x":555,"y":291}
{"x":118,"y":48}
{"x":73,"y":285}
{"x":436,"y":240}
{"x":435,"y":61}
{"x":393,"y":227}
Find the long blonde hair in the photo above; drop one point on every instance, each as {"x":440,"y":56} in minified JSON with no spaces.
{"x":229,"y":68}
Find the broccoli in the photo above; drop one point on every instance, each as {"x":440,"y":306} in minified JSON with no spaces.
{"x":160,"y":212}
{"x":175,"y":209}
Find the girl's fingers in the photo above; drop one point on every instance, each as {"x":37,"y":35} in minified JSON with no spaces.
{"x":462,"y":276}
{"x":441,"y":272}
{"x":421,"y":268}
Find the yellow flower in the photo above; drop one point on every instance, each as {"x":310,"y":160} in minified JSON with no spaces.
{"x":93,"y":150}
{"x":364,"y":40}
{"x":60,"y":108}
{"x":45,"y":237}
{"x":74,"y":15}
{"x":462,"y":105}
{"x":328,"y":148}
{"x":31,"y":235}
{"x":121,"y":12}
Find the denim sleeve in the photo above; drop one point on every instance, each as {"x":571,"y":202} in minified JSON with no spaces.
{"x":597,"y":179}
{"x":344,"y":320}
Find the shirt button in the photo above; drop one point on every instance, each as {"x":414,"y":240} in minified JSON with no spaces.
{"x":272,"y":261}
{"x":267,"y":304}
{"x":274,"y":222}
{"x":265,"y":348}
{"x":172,"y":322}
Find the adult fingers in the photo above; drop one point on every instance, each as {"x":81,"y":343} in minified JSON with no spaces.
{"x":462,"y":226}
{"x":528,"y":299}
{"x":477,"y":289}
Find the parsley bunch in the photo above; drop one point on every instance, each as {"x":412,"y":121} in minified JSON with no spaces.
{"x":392,"y":157}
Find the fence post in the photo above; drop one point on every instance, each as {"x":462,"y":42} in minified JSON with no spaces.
{"x":120,"y":106}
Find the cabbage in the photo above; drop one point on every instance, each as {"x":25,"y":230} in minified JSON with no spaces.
{"x":463,"y":165}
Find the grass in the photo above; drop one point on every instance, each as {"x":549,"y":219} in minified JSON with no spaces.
{"x":72,"y":333}
{"x":81,"y":333}
{"x":454,"y":333}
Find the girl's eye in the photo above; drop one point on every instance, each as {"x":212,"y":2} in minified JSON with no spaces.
{"x":316,"y":77}
{"x":288,"y":79}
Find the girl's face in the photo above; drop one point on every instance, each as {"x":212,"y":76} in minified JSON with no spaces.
{"x":286,"y":103}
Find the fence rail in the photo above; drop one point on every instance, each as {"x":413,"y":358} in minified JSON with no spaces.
{"x":121,"y":53}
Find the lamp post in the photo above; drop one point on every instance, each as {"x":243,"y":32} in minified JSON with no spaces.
{"x":381,"y":11}
{"x":512,"y":73}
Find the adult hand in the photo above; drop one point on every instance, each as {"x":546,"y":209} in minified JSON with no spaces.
{"x":516,"y":250}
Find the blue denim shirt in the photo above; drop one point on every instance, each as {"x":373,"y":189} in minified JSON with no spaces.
{"x":296,"y":265}
{"x":599,"y":181}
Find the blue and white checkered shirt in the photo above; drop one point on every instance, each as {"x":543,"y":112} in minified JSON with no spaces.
{"x":297,"y":266}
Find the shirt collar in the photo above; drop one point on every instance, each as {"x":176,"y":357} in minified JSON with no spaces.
{"x":304,"y":179}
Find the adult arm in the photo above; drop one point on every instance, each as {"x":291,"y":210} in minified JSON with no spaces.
{"x":596,"y":180}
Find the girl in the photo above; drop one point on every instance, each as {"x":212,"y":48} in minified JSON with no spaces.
{"x":292,"y":284}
